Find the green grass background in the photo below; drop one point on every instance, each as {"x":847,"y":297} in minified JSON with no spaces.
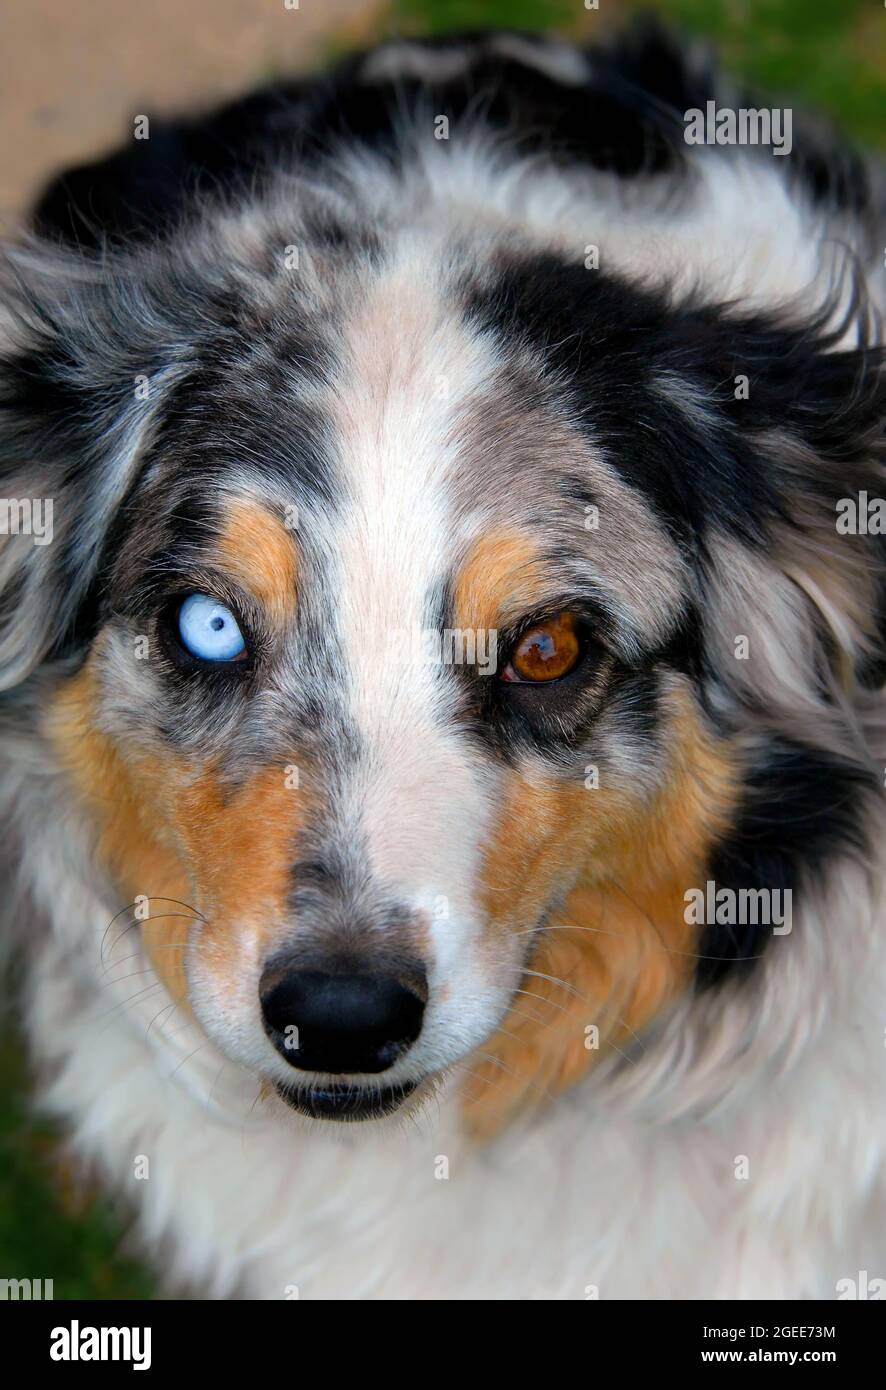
{"x":826,"y":53}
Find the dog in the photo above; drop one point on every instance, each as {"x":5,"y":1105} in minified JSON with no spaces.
{"x":442,"y":646}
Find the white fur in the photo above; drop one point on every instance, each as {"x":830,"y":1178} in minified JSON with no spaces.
{"x":626,"y":1184}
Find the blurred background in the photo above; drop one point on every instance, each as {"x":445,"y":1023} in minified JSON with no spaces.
{"x":72,"y":76}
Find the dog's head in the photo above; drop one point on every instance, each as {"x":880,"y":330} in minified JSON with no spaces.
{"x":429,"y":621}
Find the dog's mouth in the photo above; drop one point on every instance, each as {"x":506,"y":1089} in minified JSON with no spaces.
{"x":345,"y":1102}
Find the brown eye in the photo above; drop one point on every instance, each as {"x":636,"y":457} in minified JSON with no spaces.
{"x":545,"y":652}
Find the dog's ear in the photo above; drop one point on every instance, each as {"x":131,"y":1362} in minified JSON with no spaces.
{"x":80,"y":363}
{"x":795,"y":602}
{"x":144,"y":187}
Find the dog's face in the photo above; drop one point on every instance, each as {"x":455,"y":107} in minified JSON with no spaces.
{"x":392,"y":633}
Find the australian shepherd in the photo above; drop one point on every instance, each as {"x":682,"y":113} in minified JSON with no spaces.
{"x":442,"y":636}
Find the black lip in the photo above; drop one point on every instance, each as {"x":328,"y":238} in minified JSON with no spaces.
{"x":345,"y":1103}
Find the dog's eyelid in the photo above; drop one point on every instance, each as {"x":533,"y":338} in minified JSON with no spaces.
{"x":161,"y":584}
{"x":593,"y":623}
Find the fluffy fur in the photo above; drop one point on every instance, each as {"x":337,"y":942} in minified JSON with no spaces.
{"x":442,"y":414}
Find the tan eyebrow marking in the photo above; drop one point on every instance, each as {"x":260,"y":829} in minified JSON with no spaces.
{"x":258,"y":550}
{"x":501,"y":579}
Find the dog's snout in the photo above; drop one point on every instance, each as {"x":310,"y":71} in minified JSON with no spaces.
{"x":336,"y":1022}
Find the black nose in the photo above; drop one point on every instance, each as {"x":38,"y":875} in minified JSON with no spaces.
{"x":341,"y":1023}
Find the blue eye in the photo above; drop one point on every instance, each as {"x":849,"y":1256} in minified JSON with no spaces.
{"x":209,"y":630}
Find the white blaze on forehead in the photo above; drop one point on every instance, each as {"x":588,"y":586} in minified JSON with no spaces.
{"x":409,"y":360}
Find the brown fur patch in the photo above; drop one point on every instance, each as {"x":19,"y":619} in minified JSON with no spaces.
{"x":621,"y":949}
{"x":501,"y":579}
{"x":168,"y":831}
{"x":257,"y":550}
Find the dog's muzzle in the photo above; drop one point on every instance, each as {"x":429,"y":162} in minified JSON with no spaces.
{"x":342,"y":1023}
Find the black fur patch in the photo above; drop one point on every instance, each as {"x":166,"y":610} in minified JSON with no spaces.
{"x":801,"y":806}
{"x":614,"y":345}
{"x":611,"y":342}
{"x":626,"y":118}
